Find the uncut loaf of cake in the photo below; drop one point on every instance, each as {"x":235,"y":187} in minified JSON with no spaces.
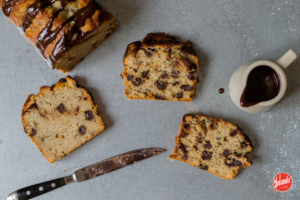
{"x":214,"y":145}
{"x":64,"y":32}
{"x":160,"y":68}
{"x":61,"y":118}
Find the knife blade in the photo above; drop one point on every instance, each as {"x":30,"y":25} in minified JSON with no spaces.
{"x":86,"y":173}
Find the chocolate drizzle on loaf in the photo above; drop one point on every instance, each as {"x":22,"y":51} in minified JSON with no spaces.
{"x":8,"y":6}
{"x":79,"y":17}
{"x":47,"y":35}
{"x":31,"y":13}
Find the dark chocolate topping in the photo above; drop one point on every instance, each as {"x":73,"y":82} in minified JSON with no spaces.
{"x":263,"y":84}
{"x":47,"y":35}
{"x":8,"y":6}
{"x":153,"y":39}
{"x":31,"y":12}
{"x":79,"y":17}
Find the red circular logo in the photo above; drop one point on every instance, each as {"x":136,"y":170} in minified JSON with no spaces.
{"x":282,"y":182}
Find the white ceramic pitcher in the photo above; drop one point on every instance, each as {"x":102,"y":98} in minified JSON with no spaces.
{"x":239,"y":79}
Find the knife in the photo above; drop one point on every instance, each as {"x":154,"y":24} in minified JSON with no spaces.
{"x":86,"y":173}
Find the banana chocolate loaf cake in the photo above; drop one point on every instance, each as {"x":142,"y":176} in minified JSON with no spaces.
{"x":216,"y":146}
{"x":61,"y":118}
{"x":160,"y":68}
{"x":64,"y":32}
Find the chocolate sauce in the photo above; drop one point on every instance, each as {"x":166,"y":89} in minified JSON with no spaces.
{"x":8,"y":6}
{"x":221,"y":90}
{"x":31,"y":12}
{"x":263,"y":84}
{"x":79,"y":17}
{"x":46,"y":36}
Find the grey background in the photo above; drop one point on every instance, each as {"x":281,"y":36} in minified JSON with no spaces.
{"x":226,"y":34}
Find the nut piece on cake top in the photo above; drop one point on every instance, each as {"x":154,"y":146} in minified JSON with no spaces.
{"x":61,"y":118}
{"x":160,"y":68}
{"x":213,"y":145}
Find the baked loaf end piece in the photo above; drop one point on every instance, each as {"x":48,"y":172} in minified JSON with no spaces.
{"x":160,"y":68}
{"x":216,"y":146}
{"x":63,"y":31}
{"x":61,"y":118}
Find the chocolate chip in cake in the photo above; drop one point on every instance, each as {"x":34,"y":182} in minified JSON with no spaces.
{"x":145,"y":74}
{"x":226,"y":153}
{"x":243,"y":145}
{"x":183,"y":148}
{"x":161,"y":85}
{"x":186,"y":126}
{"x":179,"y":95}
{"x":175,"y":73}
{"x":164,"y":75}
{"x":199,"y":139}
{"x":207,"y":145}
{"x":186,"y":87}
{"x":233,"y":133}
{"x":34,"y":105}
{"x":207,"y":155}
{"x":237,"y":155}
{"x":183,"y":135}
{"x":159,"y":97}
{"x":192,"y":76}
{"x":195,"y":147}
{"x":61,"y":108}
{"x":186,"y":62}
{"x":175,"y":83}
{"x":130,"y":77}
{"x":232,"y":162}
{"x":137,"y":82}
{"x":147,"y":53}
{"x":170,"y":53}
{"x":212,"y":124}
{"x":77,"y":110}
{"x":89,"y":115}
{"x":33,"y":132}
{"x":62,"y":80}
{"x":185,"y":157}
{"x":193,"y":67}
{"x":203,"y":167}
{"x":82,"y":130}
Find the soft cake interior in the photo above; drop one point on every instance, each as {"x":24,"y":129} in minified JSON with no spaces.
{"x":61,"y":118}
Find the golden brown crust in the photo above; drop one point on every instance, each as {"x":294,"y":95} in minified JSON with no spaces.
{"x":160,"y":68}
{"x":30,"y":105}
{"x":216,"y":128}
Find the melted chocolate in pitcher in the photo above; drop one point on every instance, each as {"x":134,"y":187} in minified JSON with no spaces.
{"x":263,"y":84}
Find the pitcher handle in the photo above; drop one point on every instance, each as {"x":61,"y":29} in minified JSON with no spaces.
{"x":287,"y":59}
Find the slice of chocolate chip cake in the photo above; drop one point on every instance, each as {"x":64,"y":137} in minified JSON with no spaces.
{"x":61,"y":118}
{"x":160,"y":68}
{"x":216,"y":146}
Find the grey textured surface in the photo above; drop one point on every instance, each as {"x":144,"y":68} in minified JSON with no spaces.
{"x":226,"y":34}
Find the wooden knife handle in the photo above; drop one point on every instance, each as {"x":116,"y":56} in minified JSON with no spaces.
{"x":36,"y":190}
